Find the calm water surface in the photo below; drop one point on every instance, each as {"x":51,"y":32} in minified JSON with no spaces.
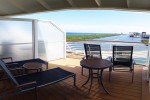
{"x":107,"y":46}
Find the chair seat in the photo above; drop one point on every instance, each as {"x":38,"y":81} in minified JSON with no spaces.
{"x":45,"y":77}
{"x":13,"y":66}
{"x":122,"y":59}
{"x":122,"y":63}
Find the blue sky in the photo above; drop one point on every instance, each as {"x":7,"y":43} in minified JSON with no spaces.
{"x":97,"y":21}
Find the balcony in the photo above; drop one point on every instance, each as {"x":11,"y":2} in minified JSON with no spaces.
{"x":120,"y":87}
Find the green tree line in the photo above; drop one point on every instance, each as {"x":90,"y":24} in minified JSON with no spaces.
{"x":75,"y":38}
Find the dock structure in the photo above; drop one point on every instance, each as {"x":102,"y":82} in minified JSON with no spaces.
{"x":135,"y":34}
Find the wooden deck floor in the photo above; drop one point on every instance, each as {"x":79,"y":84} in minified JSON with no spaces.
{"x":120,"y":87}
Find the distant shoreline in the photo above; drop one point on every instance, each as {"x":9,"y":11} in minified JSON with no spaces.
{"x":83,"y":37}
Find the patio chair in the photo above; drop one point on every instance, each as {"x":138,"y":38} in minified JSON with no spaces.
{"x":18,"y":65}
{"x":91,"y":51}
{"x":35,"y":80}
{"x":122,"y":59}
{"x":6,"y":60}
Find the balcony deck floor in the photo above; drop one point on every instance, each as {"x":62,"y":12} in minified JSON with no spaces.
{"x":120,"y":87}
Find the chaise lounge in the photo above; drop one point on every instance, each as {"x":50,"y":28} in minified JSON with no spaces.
{"x":36,"y":80}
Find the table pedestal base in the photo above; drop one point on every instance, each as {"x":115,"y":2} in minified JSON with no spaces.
{"x":99,"y":77}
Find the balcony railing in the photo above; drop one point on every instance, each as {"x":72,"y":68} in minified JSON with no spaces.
{"x":140,"y":51}
{"x":24,"y":39}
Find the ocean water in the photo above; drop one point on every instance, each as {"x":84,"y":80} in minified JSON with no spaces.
{"x":140,"y":49}
{"x":106,"y":45}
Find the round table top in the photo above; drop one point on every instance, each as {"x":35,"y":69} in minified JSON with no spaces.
{"x":32,"y":65}
{"x":95,"y":63}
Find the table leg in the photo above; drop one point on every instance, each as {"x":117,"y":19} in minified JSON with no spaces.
{"x":37,"y":70}
{"x":74,"y":80}
{"x":100,"y":80}
{"x":22,"y":70}
{"x":91,"y":76}
{"x":40,"y":69}
{"x":26,"y":71}
{"x":88,"y":78}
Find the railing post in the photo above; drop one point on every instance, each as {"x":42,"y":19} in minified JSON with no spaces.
{"x":35,"y":38}
{"x":148,"y":63}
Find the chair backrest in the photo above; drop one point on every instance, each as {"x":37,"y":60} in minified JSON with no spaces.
{"x":7,"y":59}
{"x":8,"y":73}
{"x":122,"y":55}
{"x":92,"y":51}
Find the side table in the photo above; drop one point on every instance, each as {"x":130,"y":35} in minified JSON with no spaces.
{"x":32,"y":66}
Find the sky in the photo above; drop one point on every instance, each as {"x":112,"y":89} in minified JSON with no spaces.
{"x":96,"y":21}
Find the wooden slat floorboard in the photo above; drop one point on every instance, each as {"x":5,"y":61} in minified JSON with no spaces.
{"x":120,"y":87}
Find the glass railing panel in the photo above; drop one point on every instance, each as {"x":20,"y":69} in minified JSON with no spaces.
{"x":16,"y":51}
{"x":15,"y":31}
{"x":51,"y":41}
{"x":16,"y":39}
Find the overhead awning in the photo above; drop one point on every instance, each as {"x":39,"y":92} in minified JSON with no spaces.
{"x":15,"y":7}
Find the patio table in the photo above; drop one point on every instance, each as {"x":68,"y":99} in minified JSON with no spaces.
{"x":95,"y":64}
{"x":33,"y":66}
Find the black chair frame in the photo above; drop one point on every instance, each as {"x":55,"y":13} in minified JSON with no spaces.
{"x":90,"y":51}
{"x":123,"y":62}
{"x":36,"y":80}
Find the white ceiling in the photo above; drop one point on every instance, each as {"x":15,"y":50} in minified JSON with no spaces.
{"x":15,"y":7}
